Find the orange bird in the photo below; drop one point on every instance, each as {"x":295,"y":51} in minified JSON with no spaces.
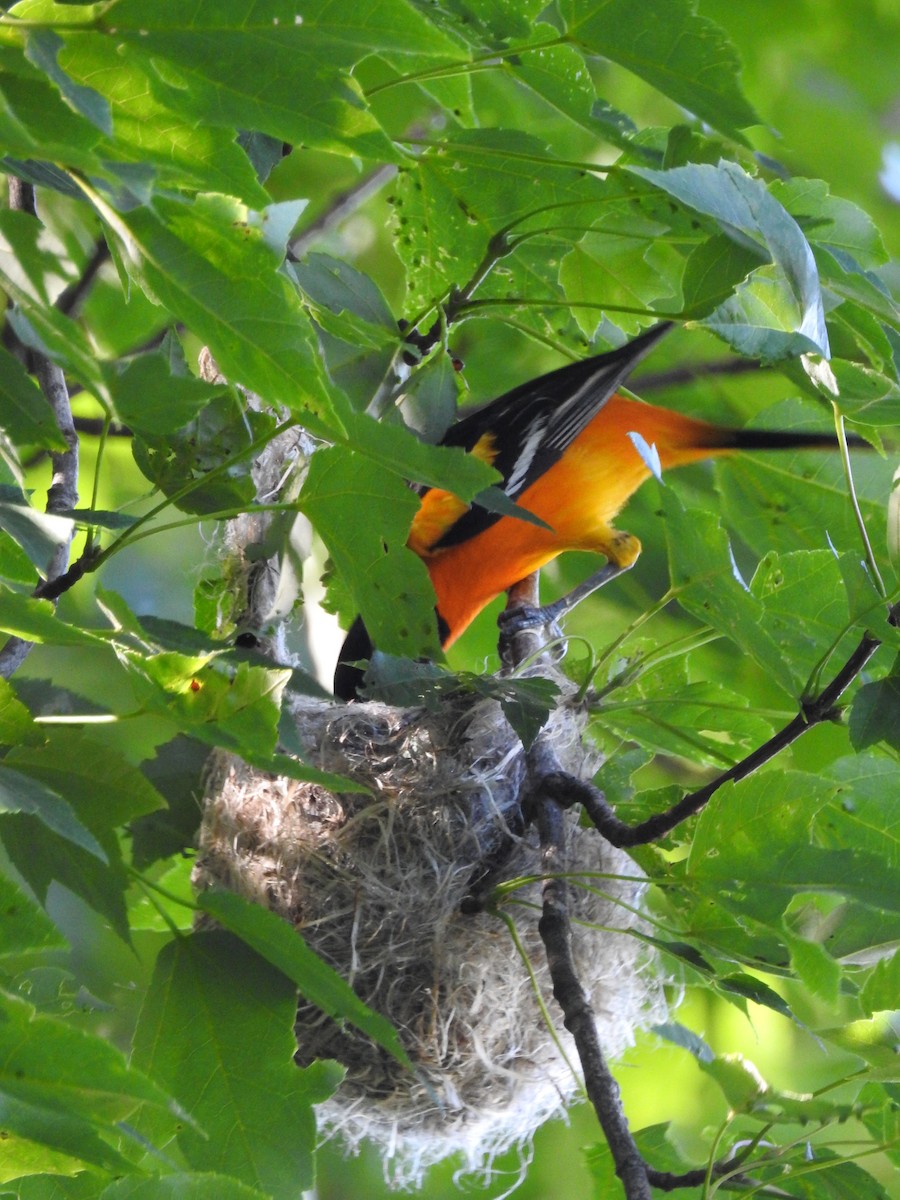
{"x":566,"y":450}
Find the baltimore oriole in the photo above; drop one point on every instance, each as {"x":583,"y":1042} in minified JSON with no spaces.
{"x":561,"y":444}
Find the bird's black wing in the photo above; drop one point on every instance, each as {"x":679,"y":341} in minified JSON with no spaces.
{"x":531,"y":426}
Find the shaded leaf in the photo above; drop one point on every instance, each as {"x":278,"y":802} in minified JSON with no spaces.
{"x":23,"y":926}
{"x":53,"y":1066}
{"x":24,"y":413}
{"x":665,"y":42}
{"x":182,"y":1185}
{"x":36,"y":621}
{"x":281,"y":945}
{"x":219,"y":277}
{"x":875,"y":714}
{"x":21,"y":794}
{"x":39,"y":534}
{"x":217,"y":1028}
{"x":42,"y":46}
{"x":389,"y":584}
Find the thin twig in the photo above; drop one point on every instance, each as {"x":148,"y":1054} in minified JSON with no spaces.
{"x":568,"y":790}
{"x":657,"y":380}
{"x":70,"y":299}
{"x":342,"y":207}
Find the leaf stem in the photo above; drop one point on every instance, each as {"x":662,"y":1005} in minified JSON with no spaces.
{"x":851,"y":487}
{"x":449,"y":70}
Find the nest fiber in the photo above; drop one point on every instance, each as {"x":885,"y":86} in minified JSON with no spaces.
{"x":375,"y":883}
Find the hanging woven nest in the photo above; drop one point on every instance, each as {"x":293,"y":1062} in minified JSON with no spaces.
{"x":376,"y":883}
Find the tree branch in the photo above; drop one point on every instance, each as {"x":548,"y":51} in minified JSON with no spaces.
{"x":567,"y":790}
{"x":547,"y":791}
{"x":554,"y":926}
{"x":578,"y":1016}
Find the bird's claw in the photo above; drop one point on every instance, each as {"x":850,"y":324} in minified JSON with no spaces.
{"x":524,"y":616}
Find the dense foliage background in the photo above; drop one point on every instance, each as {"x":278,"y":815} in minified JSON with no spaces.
{"x":587,"y":165}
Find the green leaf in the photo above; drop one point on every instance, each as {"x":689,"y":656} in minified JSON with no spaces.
{"x":15,"y":566}
{"x":36,"y":621}
{"x":761,"y":830}
{"x":559,"y":75}
{"x":39,"y":534}
{"x":704,"y":722}
{"x":21,"y":794}
{"x":778,"y":312}
{"x":24,"y":413}
{"x":804,"y":607}
{"x":428,"y":403}
{"x":389,"y":583}
{"x":393,"y":448}
{"x":27,"y":1126}
{"x":680,"y":1035}
{"x":789,"y":502}
{"x":154,"y":393}
{"x":104,"y":789}
{"x":42,"y":46}
{"x":217,"y":1029}
{"x":713,"y":270}
{"x":831,"y":220}
{"x":16,"y":723}
{"x":271,"y":25}
{"x":702,"y":570}
{"x":181,"y":152}
{"x":685,"y":56}
{"x":36,"y":124}
{"x":253,"y":65}
{"x":843,"y":275}
{"x":341,"y":288}
{"x":42,"y":857}
{"x":176,"y":772}
{"x":468,"y":189}
{"x":748,"y":987}
{"x":238,"y":710}
{"x":741,"y":1083}
{"x":168,"y":903}
{"x":53,"y":1066}
{"x":881,"y":989}
{"x":875,"y":714}
{"x":54,"y":1186}
{"x":217,"y":275}
{"x":815,"y":967}
{"x":182,"y":1185}
{"x":24,"y":928}
{"x":213,"y":451}
{"x":30,"y":264}
{"x":867,"y":812}
{"x":866,"y":395}
{"x":281,"y":945}
{"x":627,"y":272}
{"x":875,"y":1041}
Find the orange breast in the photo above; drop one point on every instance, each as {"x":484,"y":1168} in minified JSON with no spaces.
{"x":579,"y":497}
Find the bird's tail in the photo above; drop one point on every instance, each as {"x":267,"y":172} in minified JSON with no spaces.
{"x":357,"y":646}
